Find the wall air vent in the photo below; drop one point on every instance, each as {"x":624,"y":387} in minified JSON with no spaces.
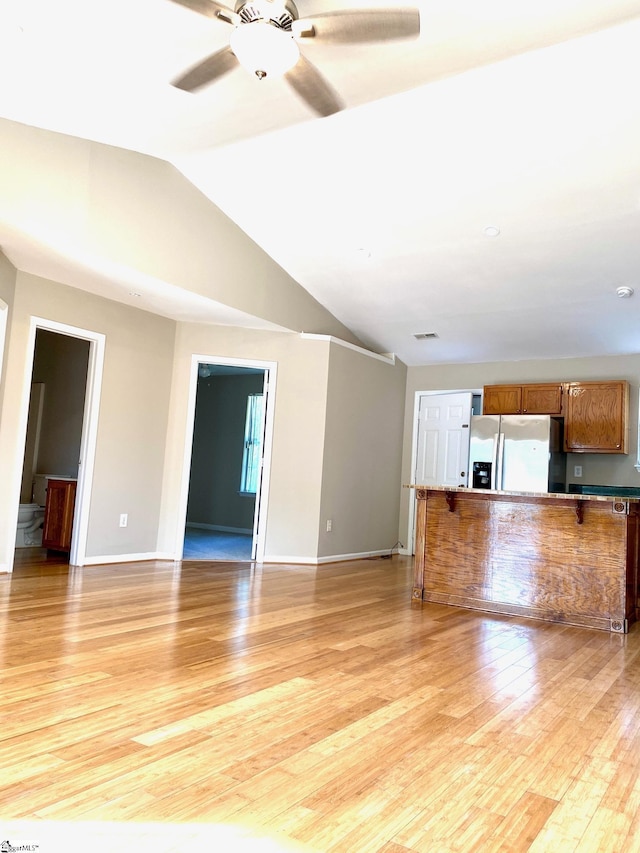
{"x":422,"y":336}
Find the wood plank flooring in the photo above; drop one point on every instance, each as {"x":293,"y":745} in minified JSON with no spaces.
{"x":219,"y":706}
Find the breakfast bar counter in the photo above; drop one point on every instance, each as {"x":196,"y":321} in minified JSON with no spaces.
{"x":559,"y":557}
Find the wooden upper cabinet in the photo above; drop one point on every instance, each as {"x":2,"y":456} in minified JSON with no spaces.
{"x":502,"y":400}
{"x":540,"y":399}
{"x":597,"y":417}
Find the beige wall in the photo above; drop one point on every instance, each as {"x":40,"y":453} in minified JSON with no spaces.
{"x":362,"y":454}
{"x":7,"y":279}
{"x":298,"y":435}
{"x":138,"y":217}
{"x":135,"y":216}
{"x":133,"y":413}
{"x":336,"y":441}
{"x":7,"y":290}
{"x":596,"y":468}
{"x":337,"y":417}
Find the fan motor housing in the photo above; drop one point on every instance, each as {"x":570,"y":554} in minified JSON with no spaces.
{"x":280,"y":13}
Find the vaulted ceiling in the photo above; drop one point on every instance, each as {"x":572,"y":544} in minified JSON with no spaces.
{"x":524,"y":117}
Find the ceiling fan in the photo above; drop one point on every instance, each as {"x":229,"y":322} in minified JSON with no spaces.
{"x":265,"y":39}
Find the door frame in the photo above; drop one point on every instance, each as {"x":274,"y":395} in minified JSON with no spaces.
{"x":4,"y":314}
{"x":88,"y":440}
{"x":262,"y":498}
{"x":414,"y":452}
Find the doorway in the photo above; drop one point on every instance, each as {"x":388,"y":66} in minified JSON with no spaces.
{"x":227,"y":472}
{"x":440,"y":444}
{"x":77,"y":460}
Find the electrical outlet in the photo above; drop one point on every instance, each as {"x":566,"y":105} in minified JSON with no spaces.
{"x":329,"y":525}
{"x":577,"y":470}
{"x":124,"y":519}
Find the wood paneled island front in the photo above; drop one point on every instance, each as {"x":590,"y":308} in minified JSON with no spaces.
{"x":557,"y":557}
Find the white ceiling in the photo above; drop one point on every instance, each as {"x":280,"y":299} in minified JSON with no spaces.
{"x":523,"y":116}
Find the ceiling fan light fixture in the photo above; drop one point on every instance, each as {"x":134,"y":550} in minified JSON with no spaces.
{"x":264,"y":49}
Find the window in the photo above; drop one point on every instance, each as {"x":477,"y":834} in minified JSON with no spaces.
{"x":252,"y":444}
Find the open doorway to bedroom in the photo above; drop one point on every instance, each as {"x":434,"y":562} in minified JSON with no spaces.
{"x":226,"y":470}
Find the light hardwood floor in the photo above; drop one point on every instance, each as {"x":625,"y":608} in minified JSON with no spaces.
{"x":161,"y":707}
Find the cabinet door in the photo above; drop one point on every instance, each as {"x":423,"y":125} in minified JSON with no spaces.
{"x":502,"y":400}
{"x":542,"y":399}
{"x":58,"y":515}
{"x":597,"y":415}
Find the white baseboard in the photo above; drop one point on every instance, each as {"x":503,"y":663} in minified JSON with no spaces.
{"x":334,"y":558}
{"x":299,"y":561}
{"x":405,"y":552}
{"x":219,"y":528}
{"x":129,"y":558}
{"x":268,"y":558}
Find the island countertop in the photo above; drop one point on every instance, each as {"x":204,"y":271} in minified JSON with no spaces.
{"x":555,"y":556}
{"x":565,"y":496}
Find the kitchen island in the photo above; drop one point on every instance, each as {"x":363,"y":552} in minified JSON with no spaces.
{"x":558,"y":557}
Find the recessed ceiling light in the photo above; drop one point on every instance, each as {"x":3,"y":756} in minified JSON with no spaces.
{"x":491,"y":231}
{"x":624,"y":292}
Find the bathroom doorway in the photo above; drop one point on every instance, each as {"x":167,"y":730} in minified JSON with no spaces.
{"x":54,"y":426}
{"x":70,"y":362}
{"x":228,"y":466}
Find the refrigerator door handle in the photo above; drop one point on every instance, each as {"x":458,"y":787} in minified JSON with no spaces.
{"x":500,"y":466}
{"x":494,"y":460}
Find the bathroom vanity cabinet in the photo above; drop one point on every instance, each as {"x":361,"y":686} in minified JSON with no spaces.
{"x":58,"y":515}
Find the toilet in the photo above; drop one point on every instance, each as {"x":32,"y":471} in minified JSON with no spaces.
{"x":31,"y":516}
{"x":29,"y":530}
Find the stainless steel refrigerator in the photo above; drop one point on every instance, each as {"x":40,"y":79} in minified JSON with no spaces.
{"x":520,"y":453}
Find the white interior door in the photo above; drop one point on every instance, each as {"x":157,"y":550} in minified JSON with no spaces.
{"x":443,"y":439}
{"x":256,"y":512}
